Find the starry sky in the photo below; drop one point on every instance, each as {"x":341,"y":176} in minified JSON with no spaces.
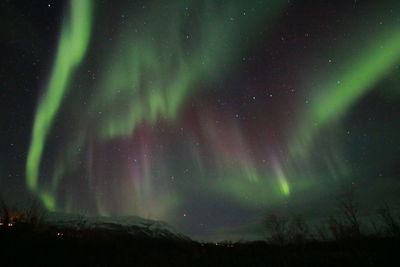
{"x":203,"y":114}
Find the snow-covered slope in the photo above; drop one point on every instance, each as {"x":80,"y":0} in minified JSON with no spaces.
{"x":133,"y":225}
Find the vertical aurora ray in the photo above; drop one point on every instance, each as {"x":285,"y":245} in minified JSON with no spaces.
{"x":72,"y":46}
{"x":281,"y":177}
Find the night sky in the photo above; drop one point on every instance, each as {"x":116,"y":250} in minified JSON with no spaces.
{"x":203,"y":114}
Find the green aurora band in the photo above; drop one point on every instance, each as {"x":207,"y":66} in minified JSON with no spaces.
{"x":71,"y":50}
{"x":347,"y":83}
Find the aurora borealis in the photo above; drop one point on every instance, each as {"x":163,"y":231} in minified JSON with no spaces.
{"x":206,"y":114}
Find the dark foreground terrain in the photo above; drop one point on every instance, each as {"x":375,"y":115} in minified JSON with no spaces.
{"x":23,"y":245}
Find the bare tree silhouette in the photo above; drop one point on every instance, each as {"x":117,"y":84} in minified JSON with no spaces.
{"x":390,"y":224}
{"x":277,"y":228}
